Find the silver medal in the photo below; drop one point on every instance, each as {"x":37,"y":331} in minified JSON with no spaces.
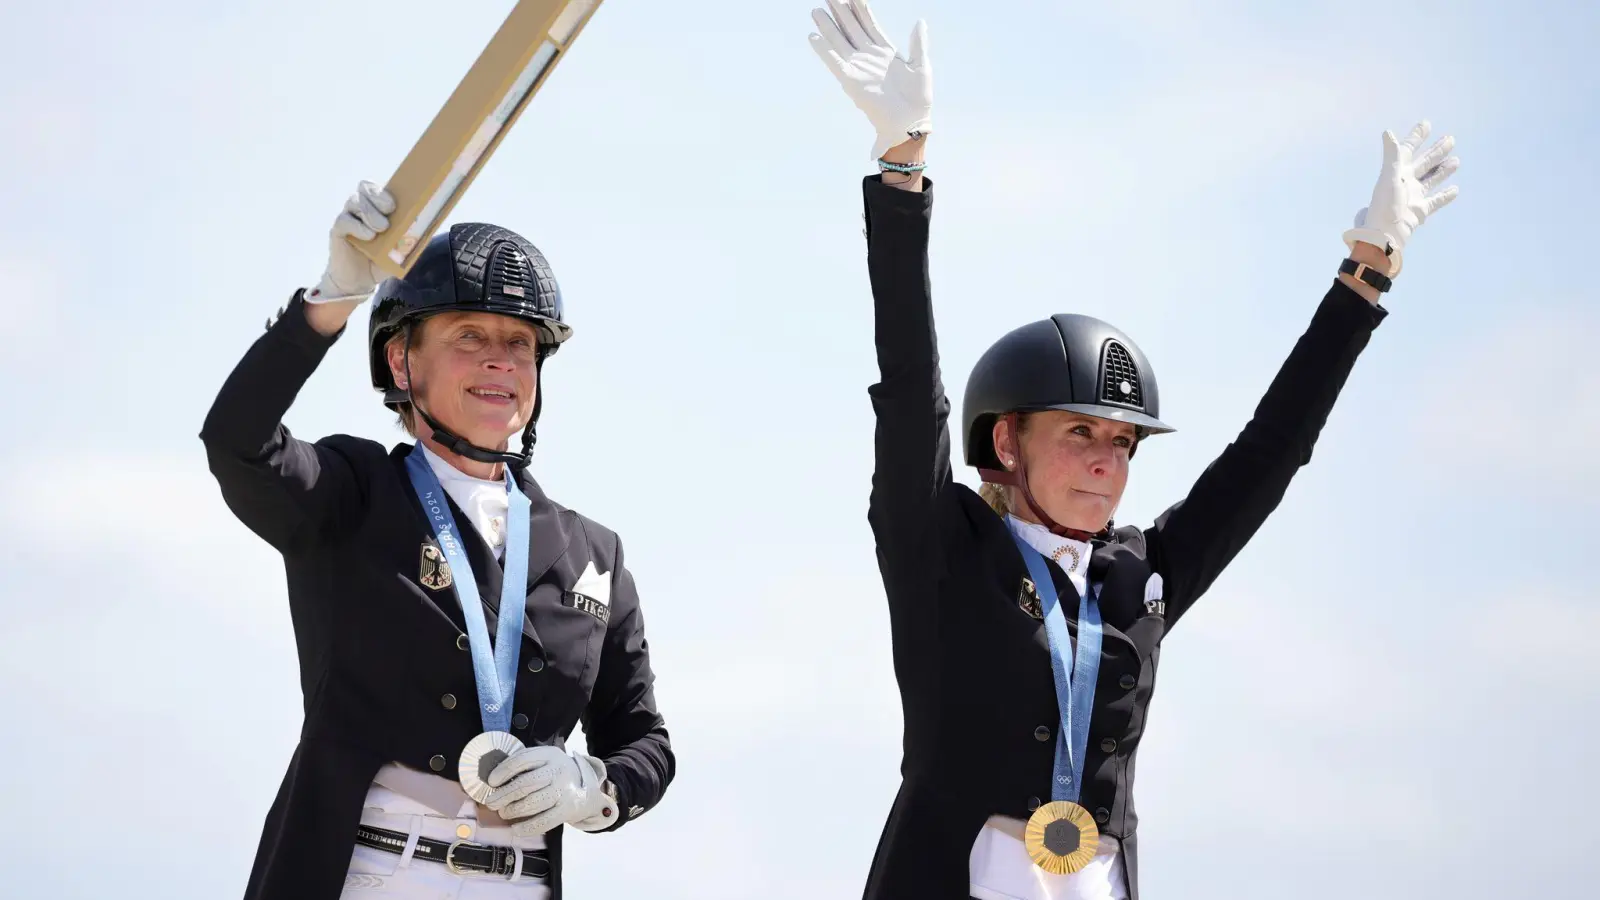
{"x":480,"y":757}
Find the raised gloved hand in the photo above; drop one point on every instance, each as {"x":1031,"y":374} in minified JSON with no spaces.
{"x":896,"y":94}
{"x":1405,"y":196}
{"x":351,"y":276}
{"x":542,"y":787}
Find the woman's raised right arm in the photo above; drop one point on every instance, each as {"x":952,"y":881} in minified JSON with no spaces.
{"x":284,"y":489}
{"x":911,"y":457}
{"x":912,"y":443}
{"x":288,"y":491}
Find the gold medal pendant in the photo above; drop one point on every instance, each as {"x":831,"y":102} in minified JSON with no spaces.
{"x":1062,"y":837}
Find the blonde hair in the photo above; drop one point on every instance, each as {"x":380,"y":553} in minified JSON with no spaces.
{"x":997,"y":496}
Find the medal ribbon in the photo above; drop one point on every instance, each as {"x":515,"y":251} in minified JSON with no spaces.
{"x":494,"y":668}
{"x":1074,"y":695}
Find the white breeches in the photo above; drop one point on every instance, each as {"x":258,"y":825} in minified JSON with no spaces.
{"x":380,"y":875}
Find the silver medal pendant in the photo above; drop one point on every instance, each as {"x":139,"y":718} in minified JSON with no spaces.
{"x":480,"y":757}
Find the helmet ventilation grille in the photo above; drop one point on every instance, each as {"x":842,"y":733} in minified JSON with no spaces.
{"x":1119,"y":378}
{"x":510,"y":274}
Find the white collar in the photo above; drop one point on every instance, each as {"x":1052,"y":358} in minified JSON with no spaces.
{"x":444,"y":471}
{"x":1072,"y":556}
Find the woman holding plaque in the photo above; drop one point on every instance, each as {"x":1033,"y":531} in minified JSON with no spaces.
{"x":1027,"y":626}
{"x":453,"y":623}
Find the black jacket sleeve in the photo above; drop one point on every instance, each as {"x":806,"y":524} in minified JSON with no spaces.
{"x":286,"y":490}
{"x":911,"y":464}
{"x":621,"y":724}
{"x":1194,"y":540}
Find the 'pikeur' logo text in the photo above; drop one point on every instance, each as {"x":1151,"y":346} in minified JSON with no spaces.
{"x":589,"y":605}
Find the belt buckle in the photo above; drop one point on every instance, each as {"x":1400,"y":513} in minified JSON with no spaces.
{"x":508,"y":860}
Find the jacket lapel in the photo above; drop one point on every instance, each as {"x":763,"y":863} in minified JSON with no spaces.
{"x":1122,"y":574}
{"x":548,"y":535}
{"x":1106,"y":566}
{"x":548,"y":538}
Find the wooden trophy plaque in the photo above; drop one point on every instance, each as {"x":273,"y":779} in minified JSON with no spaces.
{"x":467,"y":129}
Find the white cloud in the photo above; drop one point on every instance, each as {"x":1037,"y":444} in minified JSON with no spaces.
{"x":171,"y":501}
{"x":1165,"y":145}
{"x":1222,"y":103}
{"x":1548,"y":626}
{"x":46,"y":132}
{"x":1515,"y":407}
{"x":31,"y":297}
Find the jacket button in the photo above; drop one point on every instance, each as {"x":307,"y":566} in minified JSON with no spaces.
{"x":463,"y":642}
{"x":536,"y":665}
{"x":437,"y":764}
{"x":1041,"y":733}
{"x":519,"y":721}
{"x":1109,"y":745}
{"x":1102,"y":815}
{"x":448,"y":701}
{"x":1127,"y":682}
{"x":1033,"y":804}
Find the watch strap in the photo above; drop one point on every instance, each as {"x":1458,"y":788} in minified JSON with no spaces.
{"x":1366,"y":275}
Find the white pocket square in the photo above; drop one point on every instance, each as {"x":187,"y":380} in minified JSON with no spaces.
{"x":594,"y":585}
{"x":1153,"y":603}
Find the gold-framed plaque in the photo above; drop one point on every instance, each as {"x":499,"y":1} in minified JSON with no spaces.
{"x":532,"y":40}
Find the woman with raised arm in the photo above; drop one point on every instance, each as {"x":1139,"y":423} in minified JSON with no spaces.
{"x":1027,"y":626}
{"x":454,"y":623}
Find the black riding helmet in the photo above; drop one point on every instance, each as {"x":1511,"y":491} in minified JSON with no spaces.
{"x":473,"y":267}
{"x":1067,"y":362}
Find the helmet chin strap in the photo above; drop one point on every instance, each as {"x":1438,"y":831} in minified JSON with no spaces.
{"x":1020,"y":480}
{"x":459,"y":445}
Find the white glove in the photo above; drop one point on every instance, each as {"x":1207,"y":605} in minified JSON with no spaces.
{"x":543,"y":787}
{"x":350,"y":275}
{"x":896,"y":94}
{"x":1401,"y":201}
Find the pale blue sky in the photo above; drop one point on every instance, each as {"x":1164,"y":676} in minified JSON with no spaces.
{"x":1390,"y":694}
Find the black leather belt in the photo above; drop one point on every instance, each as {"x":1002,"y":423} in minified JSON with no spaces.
{"x":459,"y":857}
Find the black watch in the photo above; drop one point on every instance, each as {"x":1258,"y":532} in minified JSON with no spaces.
{"x":1366,"y":275}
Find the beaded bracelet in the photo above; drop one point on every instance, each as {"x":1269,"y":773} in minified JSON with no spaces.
{"x":903,"y":168}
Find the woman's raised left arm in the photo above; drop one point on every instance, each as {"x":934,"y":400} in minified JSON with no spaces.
{"x":1194,"y":540}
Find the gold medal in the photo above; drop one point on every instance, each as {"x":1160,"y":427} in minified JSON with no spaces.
{"x":1062,"y":837}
